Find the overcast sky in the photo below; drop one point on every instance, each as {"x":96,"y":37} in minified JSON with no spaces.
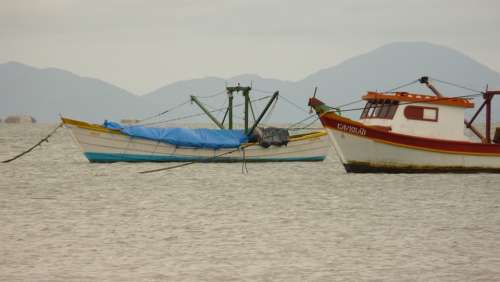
{"x":143,"y":45}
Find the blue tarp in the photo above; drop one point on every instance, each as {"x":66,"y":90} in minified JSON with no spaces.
{"x":185,"y":137}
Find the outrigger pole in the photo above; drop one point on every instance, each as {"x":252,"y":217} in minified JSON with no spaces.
{"x":207,"y":112}
{"x":274,"y":97}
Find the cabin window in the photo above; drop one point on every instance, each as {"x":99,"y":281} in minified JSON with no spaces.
{"x":373,"y":108}
{"x":392,"y":109}
{"x":380,"y":109}
{"x":385,"y":108}
{"x":421,"y":113}
{"x":364,"y":114}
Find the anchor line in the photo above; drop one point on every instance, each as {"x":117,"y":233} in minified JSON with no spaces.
{"x":45,"y":139}
{"x":197,"y":161}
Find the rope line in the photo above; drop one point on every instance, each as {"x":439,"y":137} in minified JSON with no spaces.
{"x":301,"y":121}
{"x":263,"y":91}
{"x":348,"y":104}
{"x":180,"y":105}
{"x":166,"y":111}
{"x":212,"y":95}
{"x":295,"y":105}
{"x":46,"y":139}
{"x":270,"y":112}
{"x":208,"y":159}
{"x":401,"y":86}
{"x":200,"y":114}
{"x":457,"y":85}
{"x":286,"y":99}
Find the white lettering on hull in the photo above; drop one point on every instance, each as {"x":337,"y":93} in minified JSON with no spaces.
{"x":351,"y":129}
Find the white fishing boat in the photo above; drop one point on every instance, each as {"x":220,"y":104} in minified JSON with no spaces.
{"x":112,"y":142}
{"x":405,"y":132}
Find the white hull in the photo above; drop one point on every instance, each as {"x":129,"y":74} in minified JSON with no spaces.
{"x":108,"y":146}
{"x":363,"y":154}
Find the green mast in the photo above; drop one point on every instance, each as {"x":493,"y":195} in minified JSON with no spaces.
{"x":248,"y":106}
{"x":230,"y":108}
{"x":246,"y":94}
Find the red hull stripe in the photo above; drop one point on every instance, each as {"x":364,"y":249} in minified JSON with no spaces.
{"x":338,"y":123}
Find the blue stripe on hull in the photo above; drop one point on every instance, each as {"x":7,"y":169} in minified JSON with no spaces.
{"x":111,"y":158}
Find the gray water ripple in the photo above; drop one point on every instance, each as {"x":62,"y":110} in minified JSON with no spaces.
{"x":63,"y":219}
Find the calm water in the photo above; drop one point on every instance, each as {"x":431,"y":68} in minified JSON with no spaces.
{"x":63,"y":219}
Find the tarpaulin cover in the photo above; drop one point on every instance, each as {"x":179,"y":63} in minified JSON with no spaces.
{"x":185,"y":137}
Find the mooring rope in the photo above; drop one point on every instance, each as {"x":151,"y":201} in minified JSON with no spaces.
{"x":45,"y":139}
{"x":244,"y":169}
{"x":197,"y":161}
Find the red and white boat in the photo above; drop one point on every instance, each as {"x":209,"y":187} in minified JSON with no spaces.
{"x":402,"y":132}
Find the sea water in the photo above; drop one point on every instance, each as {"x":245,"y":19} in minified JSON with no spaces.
{"x":65,"y":219}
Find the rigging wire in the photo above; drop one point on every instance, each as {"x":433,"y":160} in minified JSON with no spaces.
{"x":270,"y":112}
{"x":166,"y":111}
{"x":301,"y":121}
{"x":201,"y":114}
{"x":212,"y":95}
{"x":413,"y":82}
{"x":470,"y":96}
{"x":294,"y":104}
{"x":348,"y":104}
{"x":180,"y":105}
{"x":263,"y":91}
{"x":457,"y":85}
{"x":401,"y":86}
{"x":285,"y":98}
{"x":308,"y":125}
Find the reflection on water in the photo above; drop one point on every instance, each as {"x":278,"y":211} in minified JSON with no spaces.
{"x":64,"y":219}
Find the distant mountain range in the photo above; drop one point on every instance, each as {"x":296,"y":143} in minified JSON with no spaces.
{"x":46,"y":93}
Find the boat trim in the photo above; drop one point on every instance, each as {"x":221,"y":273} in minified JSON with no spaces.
{"x":348,"y":126}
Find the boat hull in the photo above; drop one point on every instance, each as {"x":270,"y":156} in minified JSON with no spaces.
{"x":366,"y":149}
{"x":102,"y":145}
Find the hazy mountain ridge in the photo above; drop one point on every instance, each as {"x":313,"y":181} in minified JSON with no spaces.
{"x":44,"y":93}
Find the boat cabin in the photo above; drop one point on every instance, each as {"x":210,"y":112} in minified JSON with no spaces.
{"x":416,"y":114}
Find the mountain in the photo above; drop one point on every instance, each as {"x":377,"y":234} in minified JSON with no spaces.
{"x":211,"y":92}
{"x":44,"y":93}
{"x":381,"y":69}
{"x":397,"y":63}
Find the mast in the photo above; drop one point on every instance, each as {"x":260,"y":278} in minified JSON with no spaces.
{"x":230,"y":108}
{"x":246,"y":93}
{"x":229,"y":112}
{"x":488,"y":96}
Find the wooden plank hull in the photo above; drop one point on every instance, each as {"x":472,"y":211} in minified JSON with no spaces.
{"x":367,"y":149}
{"x":102,"y":145}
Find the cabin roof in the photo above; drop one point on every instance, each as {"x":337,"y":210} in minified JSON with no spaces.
{"x":411,"y":97}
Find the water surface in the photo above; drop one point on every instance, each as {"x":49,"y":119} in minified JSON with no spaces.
{"x":64,"y":219}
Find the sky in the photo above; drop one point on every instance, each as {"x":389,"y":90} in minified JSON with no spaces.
{"x":143,"y":45}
